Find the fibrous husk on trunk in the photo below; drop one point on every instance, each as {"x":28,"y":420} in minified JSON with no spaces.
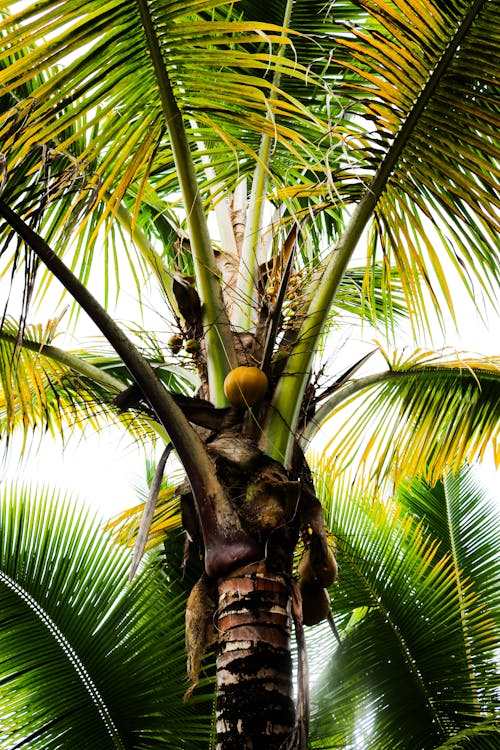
{"x":200,"y":628}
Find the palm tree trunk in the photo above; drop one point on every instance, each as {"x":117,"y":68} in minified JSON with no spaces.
{"x":255,"y":707}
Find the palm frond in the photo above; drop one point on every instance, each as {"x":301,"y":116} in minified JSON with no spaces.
{"x":60,"y":191}
{"x":484,"y":736}
{"x":107,"y":670}
{"x":371,"y":303}
{"x":454,"y":510}
{"x":43,"y":387}
{"x":443,"y":36}
{"x":419,"y":139}
{"x":166,"y":519}
{"x":428,"y":414}
{"x":40,"y":391}
{"x":132,"y":155}
{"x":423,"y":80}
{"x":204,"y":51}
{"x":416,"y":631}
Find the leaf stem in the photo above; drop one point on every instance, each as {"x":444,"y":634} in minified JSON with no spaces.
{"x":278,"y":436}
{"x":219,"y":343}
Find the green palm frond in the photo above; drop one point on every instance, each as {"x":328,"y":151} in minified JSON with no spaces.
{"x":428,"y":414}
{"x":481,"y":737}
{"x":453,"y":511}
{"x":86,"y":660}
{"x":218,"y":76}
{"x":372,"y":304}
{"x":318,"y":24}
{"x":170,"y":104}
{"x":42,"y":174}
{"x":419,"y":639}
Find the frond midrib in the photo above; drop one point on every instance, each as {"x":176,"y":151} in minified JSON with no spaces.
{"x":404,"y":649}
{"x":72,"y":657}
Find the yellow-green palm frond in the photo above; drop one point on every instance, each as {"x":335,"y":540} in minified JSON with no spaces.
{"x":45,"y":388}
{"x":86,"y":87}
{"x":444,"y":187}
{"x":38,"y":391}
{"x":38,"y":175}
{"x":427,"y":414}
{"x":424,"y":140}
{"x":100,"y":70}
{"x":371,"y":303}
{"x":59,"y":193}
{"x":167,"y":518}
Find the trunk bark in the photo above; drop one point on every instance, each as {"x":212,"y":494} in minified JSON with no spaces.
{"x":255,"y":707}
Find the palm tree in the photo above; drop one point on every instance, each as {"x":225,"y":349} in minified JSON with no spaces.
{"x":123,"y":125}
